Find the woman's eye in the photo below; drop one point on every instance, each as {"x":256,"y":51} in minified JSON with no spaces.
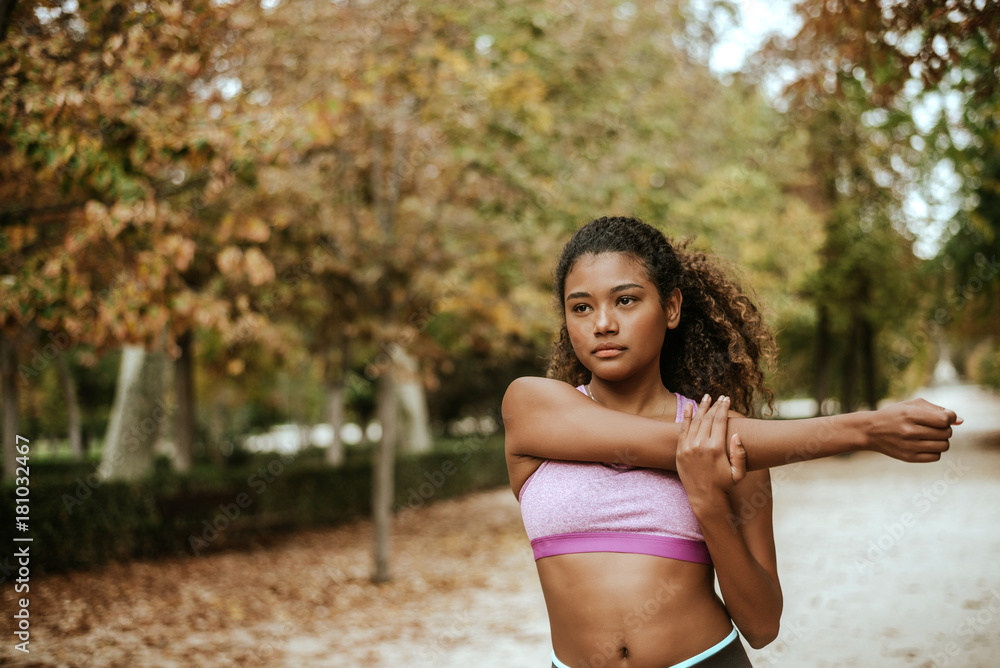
{"x":625,"y":301}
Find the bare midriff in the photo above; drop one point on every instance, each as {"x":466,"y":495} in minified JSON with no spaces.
{"x":630,"y":610}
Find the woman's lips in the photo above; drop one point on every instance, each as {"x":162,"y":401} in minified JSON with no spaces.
{"x":609,"y":352}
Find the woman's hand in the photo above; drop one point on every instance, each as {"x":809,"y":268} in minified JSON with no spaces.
{"x":911,"y":431}
{"x":707,"y":469}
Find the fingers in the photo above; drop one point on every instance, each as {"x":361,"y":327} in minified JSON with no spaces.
{"x":925,"y":433}
{"x":706,"y":401}
{"x":934,"y":446}
{"x":708,"y":461}
{"x":923,"y":451}
{"x":924,"y":458}
{"x":952,"y":418}
{"x":714,"y":420}
{"x":708,"y":431}
{"x":737,"y":458}
{"x":686,"y":420}
{"x":699,"y":418}
{"x":720,"y":420}
{"x":932,"y":415}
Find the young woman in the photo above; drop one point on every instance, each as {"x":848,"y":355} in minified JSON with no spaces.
{"x":628,"y":551}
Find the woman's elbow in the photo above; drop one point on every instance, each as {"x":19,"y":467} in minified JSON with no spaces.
{"x":760,"y":640}
{"x":762,"y":635}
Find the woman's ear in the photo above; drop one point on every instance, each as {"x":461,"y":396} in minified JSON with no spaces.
{"x":672,"y":308}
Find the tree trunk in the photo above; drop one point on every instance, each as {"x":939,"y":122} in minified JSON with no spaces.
{"x":335,"y":417}
{"x":415,"y":427}
{"x":184,"y":425}
{"x":218,"y":445}
{"x":822,"y":357}
{"x":72,"y":407}
{"x":216,"y":448}
{"x":8,"y":386}
{"x":386,"y":200}
{"x":869,"y":368}
{"x":6,"y":11}
{"x":336,"y":396}
{"x":849,"y":375}
{"x":383,"y":483}
{"x":137,"y":416}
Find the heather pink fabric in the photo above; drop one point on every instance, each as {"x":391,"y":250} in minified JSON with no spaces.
{"x":571,"y":507}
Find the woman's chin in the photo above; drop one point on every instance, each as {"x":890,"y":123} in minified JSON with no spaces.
{"x":611,"y":374}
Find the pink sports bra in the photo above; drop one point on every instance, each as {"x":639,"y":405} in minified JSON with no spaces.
{"x":570,"y":507}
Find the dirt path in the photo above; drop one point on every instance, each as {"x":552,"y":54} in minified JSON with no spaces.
{"x":882,"y":563}
{"x":890,"y":564}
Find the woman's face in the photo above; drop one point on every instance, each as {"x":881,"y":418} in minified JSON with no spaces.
{"x":615,"y":320}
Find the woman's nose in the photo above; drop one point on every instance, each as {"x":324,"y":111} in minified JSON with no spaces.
{"x":605,"y":322}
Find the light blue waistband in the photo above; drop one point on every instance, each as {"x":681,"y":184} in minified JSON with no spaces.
{"x":686,"y":663}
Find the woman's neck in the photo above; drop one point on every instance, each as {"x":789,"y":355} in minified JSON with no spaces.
{"x":638,"y":396}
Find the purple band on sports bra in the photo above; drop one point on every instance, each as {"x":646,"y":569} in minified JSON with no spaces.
{"x":634,"y":543}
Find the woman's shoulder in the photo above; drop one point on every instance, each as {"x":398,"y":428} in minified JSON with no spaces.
{"x":539,"y":397}
{"x":533,"y":385}
{"x":541,"y":381}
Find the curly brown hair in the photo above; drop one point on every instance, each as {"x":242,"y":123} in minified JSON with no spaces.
{"x":722,"y":344}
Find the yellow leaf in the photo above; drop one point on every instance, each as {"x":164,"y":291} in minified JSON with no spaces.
{"x":183,"y":254}
{"x":225,"y":228}
{"x":255,"y":230}
{"x":95,"y":212}
{"x":362,"y":97}
{"x":259,"y":269}
{"x":458,"y":63}
{"x":19,"y":236}
{"x":229,"y":259}
{"x":52,"y":268}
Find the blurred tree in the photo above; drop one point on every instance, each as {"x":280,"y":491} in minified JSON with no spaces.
{"x":846,"y":93}
{"x":110,"y":155}
{"x":927,"y":72}
{"x":136,"y":418}
{"x":383,"y":200}
{"x":432,"y":158}
{"x":11,"y":421}
{"x":646,"y":128}
{"x":73,"y":416}
{"x":864,"y":283}
{"x":382,"y":487}
{"x":265,"y":190}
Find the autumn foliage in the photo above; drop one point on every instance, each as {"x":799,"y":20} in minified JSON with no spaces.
{"x":314,"y":185}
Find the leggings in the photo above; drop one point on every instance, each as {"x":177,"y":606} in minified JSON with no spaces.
{"x":728,"y":653}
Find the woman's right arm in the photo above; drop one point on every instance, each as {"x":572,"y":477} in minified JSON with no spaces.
{"x":549,"y":419}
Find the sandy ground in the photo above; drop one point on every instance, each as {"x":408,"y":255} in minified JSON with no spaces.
{"x":891,"y":564}
{"x":882,"y":564}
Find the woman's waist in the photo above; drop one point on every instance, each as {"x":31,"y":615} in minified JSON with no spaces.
{"x":614,"y":590}
{"x":651,"y":610}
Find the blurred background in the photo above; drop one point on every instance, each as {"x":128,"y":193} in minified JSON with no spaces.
{"x":269,"y":267}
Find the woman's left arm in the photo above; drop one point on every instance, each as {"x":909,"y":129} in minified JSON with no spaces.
{"x":741,"y":544}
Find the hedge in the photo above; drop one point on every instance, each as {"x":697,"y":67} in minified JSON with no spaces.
{"x":80,"y":522}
